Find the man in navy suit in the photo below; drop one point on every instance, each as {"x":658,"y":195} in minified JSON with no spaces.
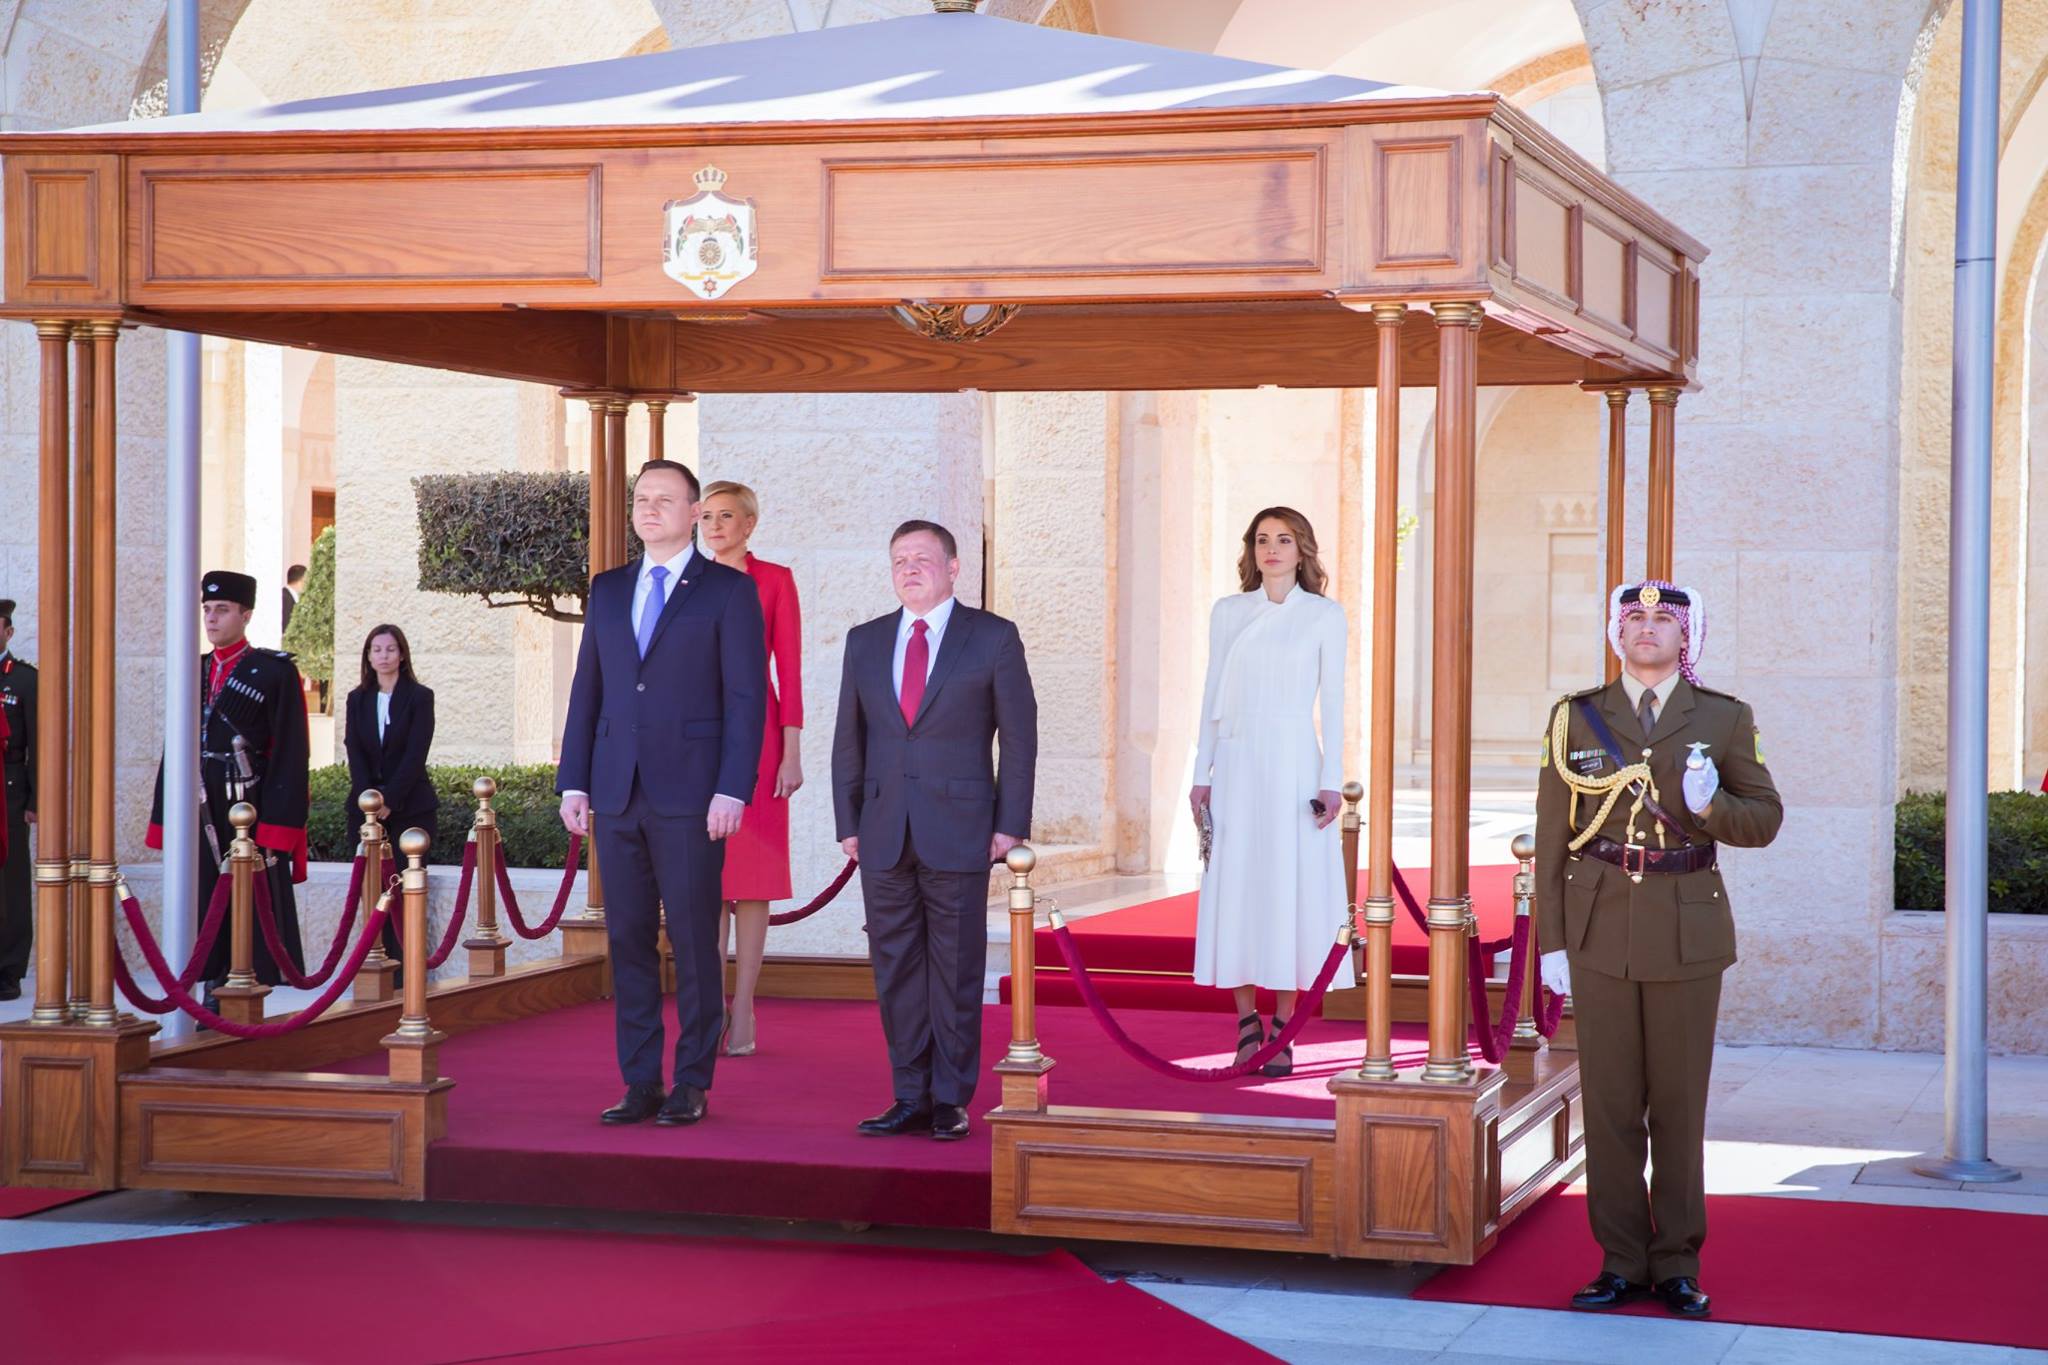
{"x":664,"y":733}
{"x":926,"y":693}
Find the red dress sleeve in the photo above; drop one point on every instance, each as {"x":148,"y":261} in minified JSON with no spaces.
{"x":782,"y":621}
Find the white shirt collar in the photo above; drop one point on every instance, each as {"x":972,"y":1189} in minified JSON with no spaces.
{"x":1635,"y":687}
{"x":934,"y":620}
{"x":674,"y":566}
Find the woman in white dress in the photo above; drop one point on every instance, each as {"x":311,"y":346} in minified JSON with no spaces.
{"x":1273,"y":893}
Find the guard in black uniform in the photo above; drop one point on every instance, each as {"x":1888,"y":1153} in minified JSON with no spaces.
{"x":252,"y":747}
{"x":17,"y":906}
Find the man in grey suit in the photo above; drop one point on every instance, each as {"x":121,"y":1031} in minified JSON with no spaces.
{"x":925,"y":694}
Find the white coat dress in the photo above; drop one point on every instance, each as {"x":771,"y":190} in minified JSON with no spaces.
{"x":1273,"y":895}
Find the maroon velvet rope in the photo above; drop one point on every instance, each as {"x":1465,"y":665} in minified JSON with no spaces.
{"x":267,"y":918}
{"x":511,"y":901}
{"x":455,"y":917}
{"x":209,"y":930}
{"x":179,"y":998}
{"x":1494,"y":1037}
{"x":821,"y":900}
{"x":1304,"y":1008}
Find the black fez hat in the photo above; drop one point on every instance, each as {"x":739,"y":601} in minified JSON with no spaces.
{"x":221,"y":586}
{"x":6,"y":609}
{"x":1659,"y":593}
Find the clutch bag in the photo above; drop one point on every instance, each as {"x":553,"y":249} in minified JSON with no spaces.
{"x":1205,"y":832}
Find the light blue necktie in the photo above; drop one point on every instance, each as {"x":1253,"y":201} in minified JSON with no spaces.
{"x":650,"y":610}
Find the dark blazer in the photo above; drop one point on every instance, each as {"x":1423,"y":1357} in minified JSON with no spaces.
{"x":688,"y":718}
{"x":935,"y":780}
{"x":396,"y":765}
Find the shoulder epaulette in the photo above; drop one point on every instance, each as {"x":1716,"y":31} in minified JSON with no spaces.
{"x":284,"y":654}
{"x":1715,"y":692}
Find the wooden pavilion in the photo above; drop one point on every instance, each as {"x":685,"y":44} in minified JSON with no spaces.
{"x":927,"y":204}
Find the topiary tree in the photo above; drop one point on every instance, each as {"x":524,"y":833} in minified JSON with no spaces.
{"x":311,"y":634}
{"x":511,"y":539}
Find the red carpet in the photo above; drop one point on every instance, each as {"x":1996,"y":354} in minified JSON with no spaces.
{"x":780,"y":1141}
{"x":1143,"y":956}
{"x":345,"y":1290}
{"x":20,"y":1203}
{"x":1827,"y":1266}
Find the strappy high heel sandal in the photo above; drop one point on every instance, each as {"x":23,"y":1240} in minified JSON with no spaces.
{"x":1283,"y":1060}
{"x":1251,"y":1036}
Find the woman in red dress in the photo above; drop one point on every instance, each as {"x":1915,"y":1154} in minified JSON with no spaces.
{"x":757,"y":857}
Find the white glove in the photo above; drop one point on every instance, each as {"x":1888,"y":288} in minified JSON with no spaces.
{"x":1700,"y":784}
{"x":1556,"y":973}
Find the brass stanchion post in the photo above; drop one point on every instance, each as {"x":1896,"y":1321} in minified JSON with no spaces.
{"x":377,"y":980}
{"x":241,"y":998}
{"x":1025,"y":1065}
{"x":1527,"y":1042}
{"x":414,"y":1047}
{"x":487,"y":948}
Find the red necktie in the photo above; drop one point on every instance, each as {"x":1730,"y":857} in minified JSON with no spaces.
{"x":916,"y":663}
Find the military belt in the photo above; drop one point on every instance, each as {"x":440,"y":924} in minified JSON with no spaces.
{"x":1640,"y":861}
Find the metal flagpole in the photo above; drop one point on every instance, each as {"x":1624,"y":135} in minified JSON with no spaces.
{"x":181,"y":576}
{"x":1965,"y":1145}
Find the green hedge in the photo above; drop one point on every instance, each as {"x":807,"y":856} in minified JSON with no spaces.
{"x":529,"y":825}
{"x":2019,"y":852}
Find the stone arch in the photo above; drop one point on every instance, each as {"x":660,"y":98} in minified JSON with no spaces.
{"x":1925,"y":281}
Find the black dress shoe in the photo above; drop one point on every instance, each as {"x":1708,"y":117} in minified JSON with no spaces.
{"x":949,"y":1122}
{"x":686,"y":1104}
{"x":1608,"y":1290}
{"x":10,"y":990}
{"x":901,"y":1117}
{"x":1681,"y":1295}
{"x":641,"y":1102}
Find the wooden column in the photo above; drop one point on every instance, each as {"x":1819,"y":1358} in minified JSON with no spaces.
{"x":1617,"y":510}
{"x":1450,"y":784}
{"x":412,"y":1050}
{"x":486,"y":947}
{"x":77,"y":914}
{"x":241,"y":997}
{"x":1379,"y":822}
{"x":1024,"y":1067}
{"x":1663,"y":479}
{"x":99,"y":763}
{"x":53,"y":713}
{"x":615,"y":480}
{"x":657,"y":428}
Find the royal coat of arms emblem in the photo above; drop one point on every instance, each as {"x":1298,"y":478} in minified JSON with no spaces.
{"x":710,"y":244}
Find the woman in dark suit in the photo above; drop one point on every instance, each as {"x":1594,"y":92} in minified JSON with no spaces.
{"x":389,"y":728}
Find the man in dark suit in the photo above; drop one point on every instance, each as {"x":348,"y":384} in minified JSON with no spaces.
{"x":17,"y":755}
{"x":294,"y":585}
{"x":924,"y":693}
{"x":662,"y":740}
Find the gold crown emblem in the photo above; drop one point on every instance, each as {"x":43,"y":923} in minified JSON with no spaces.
{"x":710,"y":179}
{"x":1650,"y":596}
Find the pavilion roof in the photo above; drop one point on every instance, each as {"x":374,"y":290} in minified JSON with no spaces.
{"x":929,"y":66}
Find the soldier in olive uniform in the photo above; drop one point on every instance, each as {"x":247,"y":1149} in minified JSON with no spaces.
{"x":18,"y":707}
{"x":250,"y":695}
{"x":1642,"y":781}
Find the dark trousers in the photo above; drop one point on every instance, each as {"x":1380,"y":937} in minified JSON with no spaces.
{"x":651,"y":861}
{"x":17,"y":904}
{"x":1646,"y":1049}
{"x":928,"y":941}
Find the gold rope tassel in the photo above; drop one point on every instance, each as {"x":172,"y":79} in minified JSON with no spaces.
{"x":1608,"y":787}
